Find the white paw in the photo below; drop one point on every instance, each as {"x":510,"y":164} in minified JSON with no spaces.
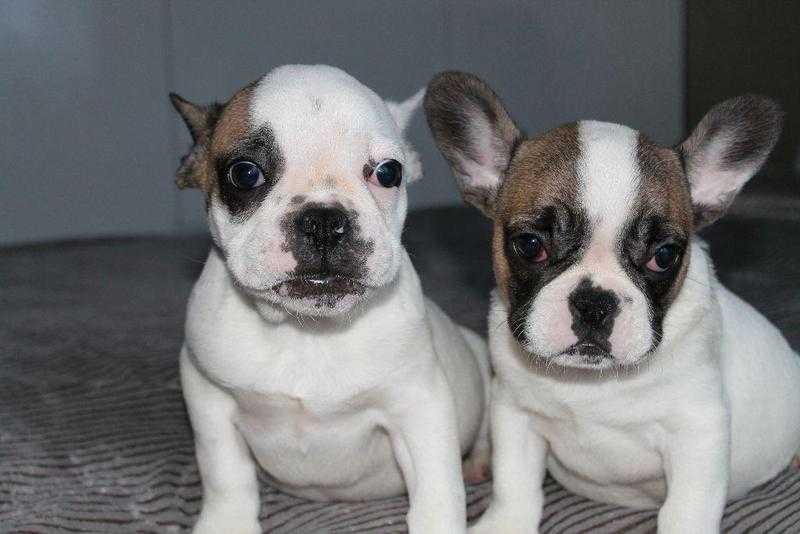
{"x":227,"y":522}
{"x":498,"y":524}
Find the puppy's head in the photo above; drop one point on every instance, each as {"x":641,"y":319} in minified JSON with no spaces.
{"x":305,"y":174}
{"x":593,"y":220}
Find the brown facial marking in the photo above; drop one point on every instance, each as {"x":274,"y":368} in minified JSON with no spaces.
{"x":542,"y":172}
{"x":214,"y":128}
{"x":233,"y":125}
{"x":664,"y":192}
{"x":664,"y":185}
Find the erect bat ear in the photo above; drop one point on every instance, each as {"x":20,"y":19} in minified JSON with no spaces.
{"x":726,"y":149}
{"x":401,"y":113}
{"x":474,"y":132}
{"x":200,"y":120}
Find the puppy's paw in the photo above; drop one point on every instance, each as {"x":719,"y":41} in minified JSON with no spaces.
{"x":208,"y":527}
{"x":494,"y":526}
{"x":228,"y":523}
{"x":477,"y":467}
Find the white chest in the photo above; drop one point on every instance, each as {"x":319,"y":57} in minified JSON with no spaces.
{"x":308,"y":395}
{"x":600,"y":439}
{"x":300,"y":445}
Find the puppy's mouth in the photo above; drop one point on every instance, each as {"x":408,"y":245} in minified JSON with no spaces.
{"x":586,"y":353}
{"x":319,"y":286}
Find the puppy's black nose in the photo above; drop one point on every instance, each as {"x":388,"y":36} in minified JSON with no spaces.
{"x":323,"y":228}
{"x":593,"y":310}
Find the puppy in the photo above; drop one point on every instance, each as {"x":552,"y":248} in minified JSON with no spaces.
{"x":309,"y":346}
{"x":622,"y":365}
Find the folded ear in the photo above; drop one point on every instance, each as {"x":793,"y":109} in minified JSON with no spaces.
{"x":474,"y":133}
{"x":201,"y":121}
{"x":726,"y":149}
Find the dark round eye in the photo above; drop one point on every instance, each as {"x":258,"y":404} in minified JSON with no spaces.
{"x":387,"y":173}
{"x":245,"y":175}
{"x":529,"y":247}
{"x":664,"y":259}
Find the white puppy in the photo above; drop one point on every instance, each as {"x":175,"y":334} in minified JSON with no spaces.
{"x":622,"y":365}
{"x":310,"y":348}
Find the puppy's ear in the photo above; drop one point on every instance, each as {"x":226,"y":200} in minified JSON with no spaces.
{"x":403,"y":111}
{"x":474,"y":133}
{"x":193,"y":171}
{"x":726,"y":149}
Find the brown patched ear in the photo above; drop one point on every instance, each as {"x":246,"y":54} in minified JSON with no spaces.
{"x":474,"y":133}
{"x":726,"y":149}
{"x":193,"y":171}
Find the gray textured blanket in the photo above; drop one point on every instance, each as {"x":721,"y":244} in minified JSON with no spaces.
{"x":93,"y":431}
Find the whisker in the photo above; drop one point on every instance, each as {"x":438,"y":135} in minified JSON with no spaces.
{"x":501,"y":323}
{"x":698,"y":282}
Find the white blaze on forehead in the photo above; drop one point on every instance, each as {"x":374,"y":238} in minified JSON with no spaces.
{"x":609,"y":182}
{"x":609,"y":175}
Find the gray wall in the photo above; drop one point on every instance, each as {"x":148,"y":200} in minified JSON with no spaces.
{"x":720,"y":65}
{"x":88,"y":142}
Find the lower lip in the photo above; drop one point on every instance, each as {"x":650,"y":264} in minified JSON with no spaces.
{"x":310,"y":287}
{"x":589,"y":352}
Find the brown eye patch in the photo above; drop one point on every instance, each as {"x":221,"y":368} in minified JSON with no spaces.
{"x":664,"y":202}
{"x":261,"y":149}
{"x":661,"y":216}
{"x":234,"y":139}
{"x":541,"y":175}
{"x":539,"y":195}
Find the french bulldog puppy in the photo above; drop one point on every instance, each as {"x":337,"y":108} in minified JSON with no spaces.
{"x":310,"y":348}
{"x":622,"y":365}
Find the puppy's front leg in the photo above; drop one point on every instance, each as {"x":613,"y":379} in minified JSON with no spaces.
{"x":230,"y":488}
{"x":519,"y":458}
{"x":696,"y":465}
{"x":424,"y":433}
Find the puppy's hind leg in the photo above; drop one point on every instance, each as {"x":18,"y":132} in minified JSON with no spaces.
{"x":477,"y":464}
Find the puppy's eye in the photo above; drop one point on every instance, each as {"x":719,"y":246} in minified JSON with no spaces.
{"x":387,"y":173}
{"x":245,"y":175}
{"x":529,"y":248}
{"x":664,"y":259}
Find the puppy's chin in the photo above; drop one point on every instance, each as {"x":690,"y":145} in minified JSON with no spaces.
{"x":327,"y":305}
{"x":585,"y":361}
{"x":312,"y":296}
{"x":582,"y":356}
{"x":319,"y":296}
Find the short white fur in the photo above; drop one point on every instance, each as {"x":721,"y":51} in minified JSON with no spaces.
{"x":710,"y":414}
{"x":609,"y":180}
{"x":705,"y":414}
{"x":382,"y":396}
